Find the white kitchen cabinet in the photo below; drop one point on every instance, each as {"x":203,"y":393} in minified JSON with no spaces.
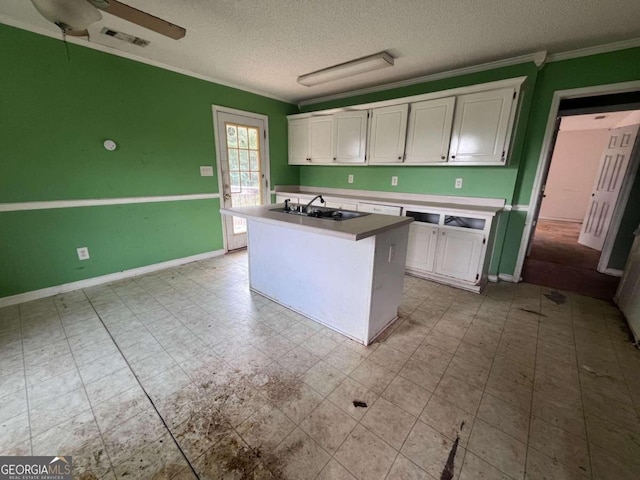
{"x":387,"y":134}
{"x":421,"y":249}
{"x":458,"y":254}
{"x":350,"y":134}
{"x":311,"y":140}
{"x":342,"y":205}
{"x":481,"y":127}
{"x":429,"y":131}
{"x":298,"y":141}
{"x":378,"y":208}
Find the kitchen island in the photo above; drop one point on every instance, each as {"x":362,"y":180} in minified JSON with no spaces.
{"x":345,"y":274}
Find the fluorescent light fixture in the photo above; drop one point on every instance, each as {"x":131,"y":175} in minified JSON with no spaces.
{"x":347,"y":69}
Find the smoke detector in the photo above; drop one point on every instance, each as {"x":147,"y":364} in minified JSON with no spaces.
{"x":125,"y":37}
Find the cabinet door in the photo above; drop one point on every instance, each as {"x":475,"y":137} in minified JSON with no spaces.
{"x":380,"y":209}
{"x":321,"y":139}
{"x":388,"y":133}
{"x":421,"y":249}
{"x":429,"y":131}
{"x":299,"y":141}
{"x":350,"y":130}
{"x":480,"y":126}
{"x":339,"y":204}
{"x":458,"y":254}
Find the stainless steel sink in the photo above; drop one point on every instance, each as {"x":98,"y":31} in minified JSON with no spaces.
{"x":323,"y":213}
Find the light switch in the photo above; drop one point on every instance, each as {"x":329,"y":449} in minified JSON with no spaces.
{"x":394,"y":181}
{"x":83,"y":253}
{"x":350,"y":179}
{"x":206,"y":171}
{"x":458,"y":183}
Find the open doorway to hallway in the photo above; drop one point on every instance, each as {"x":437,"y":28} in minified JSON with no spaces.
{"x":573,"y":241}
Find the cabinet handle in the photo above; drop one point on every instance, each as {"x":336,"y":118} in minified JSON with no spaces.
{"x":443,"y":157}
{"x":400,"y":158}
{"x":334,"y":159}
{"x":453,"y":156}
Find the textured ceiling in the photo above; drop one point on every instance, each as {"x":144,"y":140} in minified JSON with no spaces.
{"x":264,"y":45}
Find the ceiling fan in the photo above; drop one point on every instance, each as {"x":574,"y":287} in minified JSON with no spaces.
{"x":73,"y":17}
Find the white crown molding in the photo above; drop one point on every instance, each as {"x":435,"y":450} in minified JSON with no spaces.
{"x":585,"y":52}
{"x":426,"y":78}
{"x":96,"y":202}
{"x":102,"y":48}
{"x":111,"y":277}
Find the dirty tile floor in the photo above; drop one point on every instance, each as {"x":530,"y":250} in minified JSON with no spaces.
{"x":196,"y":375}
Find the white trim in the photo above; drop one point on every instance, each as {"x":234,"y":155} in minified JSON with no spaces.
{"x":493,"y":278}
{"x":545,"y":158}
{"x":154,"y":63}
{"x":95,"y":202}
{"x":425,"y":78}
{"x":111,"y":277}
{"x":585,"y":52}
{"x":515,"y":82}
{"x":505,"y":277}
{"x":614,"y":272}
{"x":215,"y":109}
{"x":619,"y":209}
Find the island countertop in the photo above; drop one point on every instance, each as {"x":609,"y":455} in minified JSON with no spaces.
{"x":351,"y":229}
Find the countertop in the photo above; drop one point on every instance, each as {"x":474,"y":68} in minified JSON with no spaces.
{"x":444,"y":203}
{"x":351,"y":229}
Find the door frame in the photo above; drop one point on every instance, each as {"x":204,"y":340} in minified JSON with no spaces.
{"x":267,"y":162}
{"x":544,"y":162}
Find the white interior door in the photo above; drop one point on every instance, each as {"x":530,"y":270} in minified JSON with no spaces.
{"x":243,"y":169}
{"x":611,"y":173}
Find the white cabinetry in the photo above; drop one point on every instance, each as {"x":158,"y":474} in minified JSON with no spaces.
{"x":311,"y":140}
{"x":387,"y":134}
{"x":458,"y":254}
{"x":429,"y":131}
{"x":481,"y":126}
{"x":380,"y":209}
{"x":350,"y":133}
{"x":341,"y":204}
{"x":421,"y":249}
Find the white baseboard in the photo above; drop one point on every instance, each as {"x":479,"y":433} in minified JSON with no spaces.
{"x":111,"y":277}
{"x":507,"y":278}
{"x":558,"y":219}
{"x":614,"y":272}
{"x":493,"y":278}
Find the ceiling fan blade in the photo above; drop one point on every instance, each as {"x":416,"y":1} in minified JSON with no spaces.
{"x":141,"y":18}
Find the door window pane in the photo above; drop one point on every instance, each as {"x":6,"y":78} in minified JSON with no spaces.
{"x":243,"y":153}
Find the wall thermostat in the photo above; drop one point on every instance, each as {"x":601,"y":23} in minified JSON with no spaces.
{"x":110,"y":145}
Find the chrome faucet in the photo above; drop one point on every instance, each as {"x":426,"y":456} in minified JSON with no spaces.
{"x":308,"y":206}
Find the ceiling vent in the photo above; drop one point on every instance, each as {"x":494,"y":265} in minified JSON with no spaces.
{"x":125,"y":37}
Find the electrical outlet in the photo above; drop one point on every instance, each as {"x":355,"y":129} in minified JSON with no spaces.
{"x":206,"y":171}
{"x":350,"y":179}
{"x":458,"y":183}
{"x":83,"y":253}
{"x":392,"y":252}
{"x":394,"y":181}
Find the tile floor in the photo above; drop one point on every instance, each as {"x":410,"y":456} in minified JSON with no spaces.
{"x":192,"y":366}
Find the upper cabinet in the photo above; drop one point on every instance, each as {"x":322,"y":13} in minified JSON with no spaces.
{"x":429,"y":131}
{"x":480,"y":127}
{"x":387,"y":134}
{"x":350,"y":132}
{"x":466,"y":126}
{"x":311,"y":140}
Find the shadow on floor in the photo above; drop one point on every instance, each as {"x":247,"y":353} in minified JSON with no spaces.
{"x":557,"y":260}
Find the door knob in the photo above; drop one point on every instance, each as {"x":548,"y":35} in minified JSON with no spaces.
{"x":227,"y":196}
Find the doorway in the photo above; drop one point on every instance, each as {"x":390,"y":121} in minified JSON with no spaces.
{"x":590,"y":163}
{"x":243,"y":167}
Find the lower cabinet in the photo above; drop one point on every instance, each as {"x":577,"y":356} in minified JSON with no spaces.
{"x":421,"y":249}
{"x":341,"y":205}
{"x":458,"y":254}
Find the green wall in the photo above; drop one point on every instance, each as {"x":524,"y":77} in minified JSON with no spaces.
{"x":55,"y":114}
{"x":513,"y":182}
